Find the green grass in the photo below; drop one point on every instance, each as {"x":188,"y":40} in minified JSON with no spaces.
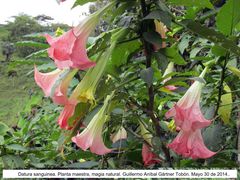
{"x":14,"y":91}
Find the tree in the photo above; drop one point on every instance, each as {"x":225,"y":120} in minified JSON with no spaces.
{"x":23,"y":24}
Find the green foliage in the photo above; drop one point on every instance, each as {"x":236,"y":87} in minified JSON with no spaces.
{"x":228,"y":17}
{"x":136,"y":73}
{"x":202,"y":3}
{"x":226,"y":105}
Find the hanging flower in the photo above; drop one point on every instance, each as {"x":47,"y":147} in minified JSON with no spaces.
{"x":190,"y":144}
{"x":187,"y":112}
{"x":189,"y":118}
{"x":149,"y":157}
{"x":69,"y":49}
{"x":120,"y":134}
{"x":85,"y":90}
{"x":55,"y":84}
{"x":91,"y":136}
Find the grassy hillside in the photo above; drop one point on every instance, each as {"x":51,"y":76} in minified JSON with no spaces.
{"x":15,"y":90}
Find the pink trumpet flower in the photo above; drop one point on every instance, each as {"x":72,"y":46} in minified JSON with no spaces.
{"x":85,"y":90}
{"x":55,"y":84}
{"x":190,"y":144}
{"x":149,"y":158}
{"x":67,"y":112}
{"x":91,"y":137}
{"x":189,"y":118}
{"x":186,"y":112}
{"x":69,"y":49}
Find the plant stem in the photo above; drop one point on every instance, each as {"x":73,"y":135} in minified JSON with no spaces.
{"x":220,"y":88}
{"x":150,"y":106}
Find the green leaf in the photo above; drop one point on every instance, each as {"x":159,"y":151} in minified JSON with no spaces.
{"x":161,"y":60}
{"x":234,"y":70}
{"x":12,"y":162}
{"x":3,"y":128}
{"x":100,"y":43}
{"x":218,"y":51}
{"x":197,"y":3}
{"x":147,"y":75}
{"x":173,"y":55}
{"x":228,"y":17}
{"x":225,"y":108}
{"x":122,"y":52}
{"x":17,"y":147}
{"x":213,"y":136}
{"x":35,"y":100}
{"x":81,"y":2}
{"x":38,"y":54}
{"x":163,"y":16}
{"x":184,"y":43}
{"x":32,"y":44}
{"x":153,"y":38}
{"x":212,"y":35}
{"x":1,"y":140}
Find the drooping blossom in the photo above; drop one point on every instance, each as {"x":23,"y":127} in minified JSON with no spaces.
{"x":169,"y":70}
{"x":190,"y":120}
{"x":149,"y":157}
{"x":55,"y":84}
{"x":120,"y":134}
{"x":85,"y":90}
{"x":68,"y":52}
{"x":91,"y":136}
{"x":187,"y":112}
{"x":191,"y":144}
{"x":69,"y":49}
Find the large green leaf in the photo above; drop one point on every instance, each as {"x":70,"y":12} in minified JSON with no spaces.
{"x":163,"y":16}
{"x":153,"y":38}
{"x":228,"y":17}
{"x":197,"y":3}
{"x":39,"y":54}
{"x":122,"y":52}
{"x":234,"y":70}
{"x":225,"y":108}
{"x":32,"y":44}
{"x":3,"y":128}
{"x":212,"y":35}
{"x":173,"y":55}
{"x":17,"y":147}
{"x":12,"y":162}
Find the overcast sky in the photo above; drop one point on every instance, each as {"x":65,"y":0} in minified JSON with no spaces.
{"x":61,"y":13}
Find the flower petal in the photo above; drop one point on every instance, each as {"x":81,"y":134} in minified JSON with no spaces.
{"x":149,"y":158}
{"x":67,"y":112}
{"x":190,"y":144}
{"x":46,"y":80}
